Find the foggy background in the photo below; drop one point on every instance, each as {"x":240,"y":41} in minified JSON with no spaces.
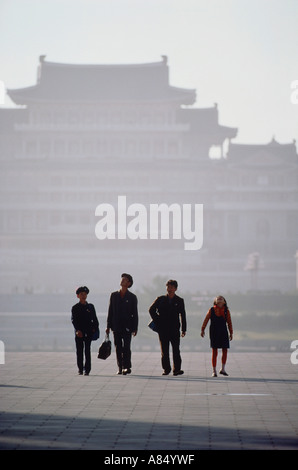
{"x":164,"y":102}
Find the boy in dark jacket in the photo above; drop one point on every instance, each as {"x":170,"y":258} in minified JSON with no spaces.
{"x":168,"y":314}
{"x":85,"y":322}
{"x":123,"y":321}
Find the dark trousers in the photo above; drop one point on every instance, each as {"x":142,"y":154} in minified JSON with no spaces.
{"x":122,"y":342}
{"x":83,"y":345}
{"x":165,"y":339}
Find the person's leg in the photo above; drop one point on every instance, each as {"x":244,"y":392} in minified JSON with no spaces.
{"x":79,"y":352}
{"x":126,"y":351}
{"x":175,"y":341}
{"x":224,"y":357}
{"x":214,"y":360}
{"x":87,"y":344}
{"x":119,"y":349}
{"x":165,"y":358}
{"x":224,"y":361}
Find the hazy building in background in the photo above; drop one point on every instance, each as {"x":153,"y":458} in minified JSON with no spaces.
{"x":85,"y":134}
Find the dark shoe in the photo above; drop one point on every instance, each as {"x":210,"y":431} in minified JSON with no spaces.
{"x":86,"y":373}
{"x":80,"y":372}
{"x":166,"y":372}
{"x":214,"y":374}
{"x":126,"y":371}
{"x":223,"y":372}
{"x":179,"y":372}
{"x":119,"y":372}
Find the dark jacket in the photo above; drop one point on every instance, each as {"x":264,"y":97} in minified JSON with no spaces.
{"x":84,"y":319}
{"x":167,"y":314}
{"x":123,"y":312}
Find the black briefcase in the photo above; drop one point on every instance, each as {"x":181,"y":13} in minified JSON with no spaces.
{"x":105,"y":348}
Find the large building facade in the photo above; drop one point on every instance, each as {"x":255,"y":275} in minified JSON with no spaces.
{"x":85,"y":134}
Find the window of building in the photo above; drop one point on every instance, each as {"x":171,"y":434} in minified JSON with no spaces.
{"x":59,"y":147}
{"x":88,"y":117}
{"x":45,"y":148}
{"x":45,"y":117}
{"x":144,"y":147}
{"x":55,"y":218}
{"x":101,"y":147}
{"x":159,"y":147}
{"x":292,"y":225}
{"x":173,"y":147}
{"x":73,"y":117}
{"x":233,"y":225}
{"x":59,"y":117}
{"x":74,"y":147}
{"x":262,"y":180}
{"x":116,"y":148}
{"x":262,"y":229}
{"x":130,"y":147}
{"x":30,"y":148}
{"x":88,"y":148}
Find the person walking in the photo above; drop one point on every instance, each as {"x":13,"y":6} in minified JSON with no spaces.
{"x":168,"y":314}
{"x":219,"y":316}
{"x":85,"y":322}
{"x":123,"y":321}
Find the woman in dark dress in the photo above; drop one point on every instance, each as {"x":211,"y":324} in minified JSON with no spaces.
{"x":219,"y":316}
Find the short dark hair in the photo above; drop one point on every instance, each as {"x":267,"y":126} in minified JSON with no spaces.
{"x":129,"y":277}
{"x":172,"y":282}
{"x":82,"y":289}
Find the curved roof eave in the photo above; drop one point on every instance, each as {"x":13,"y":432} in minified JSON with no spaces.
{"x":23,"y":96}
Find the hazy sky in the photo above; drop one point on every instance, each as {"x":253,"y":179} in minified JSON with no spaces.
{"x":242,"y":54}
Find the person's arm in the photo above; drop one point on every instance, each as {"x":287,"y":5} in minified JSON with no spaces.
{"x":230,"y":326}
{"x":205,"y":322}
{"x":95,"y":319}
{"x":75,"y":322}
{"x":153,"y":310}
{"x":109,"y":317}
{"x":135,"y":316}
{"x":183,"y":318}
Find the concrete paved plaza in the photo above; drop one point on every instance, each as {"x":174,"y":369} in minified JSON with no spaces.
{"x":46,"y":405}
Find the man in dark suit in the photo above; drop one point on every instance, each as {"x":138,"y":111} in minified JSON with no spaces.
{"x":123,"y":321}
{"x":167,"y":311}
{"x":85,"y":322}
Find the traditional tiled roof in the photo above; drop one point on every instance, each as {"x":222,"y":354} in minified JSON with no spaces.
{"x":199,"y":119}
{"x":202,"y":121}
{"x":76,"y":83}
{"x":269,"y":153}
